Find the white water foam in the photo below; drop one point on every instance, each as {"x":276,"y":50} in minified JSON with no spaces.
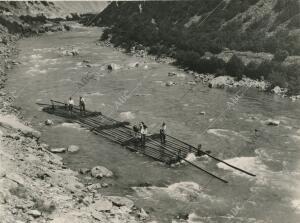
{"x":264,"y":175}
{"x":191,"y":157}
{"x":70,"y":125}
{"x":115,"y":66}
{"x":251,"y":164}
{"x":127,"y":116}
{"x":43,"y":49}
{"x":225,"y":133}
{"x":296,"y":205}
{"x":36,"y":56}
{"x":94,"y":94}
{"x":182,"y":191}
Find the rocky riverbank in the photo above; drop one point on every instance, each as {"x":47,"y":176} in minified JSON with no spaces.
{"x":35,"y":185}
{"x":207,"y":79}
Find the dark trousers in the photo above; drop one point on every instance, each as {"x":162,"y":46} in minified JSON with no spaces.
{"x":82,"y":108}
{"x":70,"y":108}
{"x":143,"y":139}
{"x":162,"y":137}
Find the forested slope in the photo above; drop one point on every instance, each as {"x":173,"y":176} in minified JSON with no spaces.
{"x":196,"y":33}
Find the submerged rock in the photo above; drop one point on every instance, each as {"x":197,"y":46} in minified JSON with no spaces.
{"x":170,"y":83}
{"x":49,"y":122}
{"x":273,"y":122}
{"x":171,"y":74}
{"x":101,"y":171}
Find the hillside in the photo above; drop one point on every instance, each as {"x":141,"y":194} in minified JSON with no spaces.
{"x":50,"y":9}
{"x":191,"y":30}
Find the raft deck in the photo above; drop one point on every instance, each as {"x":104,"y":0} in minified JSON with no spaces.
{"x":121,"y":133}
{"x":172,"y":151}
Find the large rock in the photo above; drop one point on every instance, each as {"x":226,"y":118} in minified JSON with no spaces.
{"x":58,"y":150}
{"x":221,"y":82}
{"x":103,"y":205}
{"x":278,"y":90}
{"x":121,"y":201}
{"x":34,"y":213}
{"x":84,"y":170}
{"x":101,"y":171}
{"x":73,"y":148}
{"x":143,"y":214}
{"x":31,"y":133}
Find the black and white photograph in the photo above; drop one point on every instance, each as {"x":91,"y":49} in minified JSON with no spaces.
{"x":150,"y":111}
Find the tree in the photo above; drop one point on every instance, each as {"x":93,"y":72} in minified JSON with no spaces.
{"x":235,"y":67}
{"x":252,"y":71}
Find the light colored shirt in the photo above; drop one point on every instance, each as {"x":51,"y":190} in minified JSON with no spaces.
{"x":71,"y":102}
{"x":144,"y":131}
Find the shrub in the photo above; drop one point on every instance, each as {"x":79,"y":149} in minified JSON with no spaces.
{"x":278,"y":79}
{"x":105,"y":35}
{"x":190,"y":59}
{"x":235,"y":67}
{"x":265,"y":68}
{"x":251,"y":70}
{"x":280,"y":55}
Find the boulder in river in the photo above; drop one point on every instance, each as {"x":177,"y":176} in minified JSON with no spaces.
{"x":171,"y":74}
{"x":58,"y":150}
{"x":101,"y":171}
{"x":109,"y":67}
{"x":73,"y":148}
{"x":49,"y":122}
{"x":273,"y":122}
{"x":170,"y":83}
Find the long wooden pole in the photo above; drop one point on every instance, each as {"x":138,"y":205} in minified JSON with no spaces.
{"x":215,"y":158}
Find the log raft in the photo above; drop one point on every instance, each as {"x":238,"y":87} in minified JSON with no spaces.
{"x":170,"y":152}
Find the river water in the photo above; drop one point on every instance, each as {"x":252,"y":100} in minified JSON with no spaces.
{"x":272,"y":154}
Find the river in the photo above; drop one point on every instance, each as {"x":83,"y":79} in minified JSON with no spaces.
{"x":166,"y":192}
